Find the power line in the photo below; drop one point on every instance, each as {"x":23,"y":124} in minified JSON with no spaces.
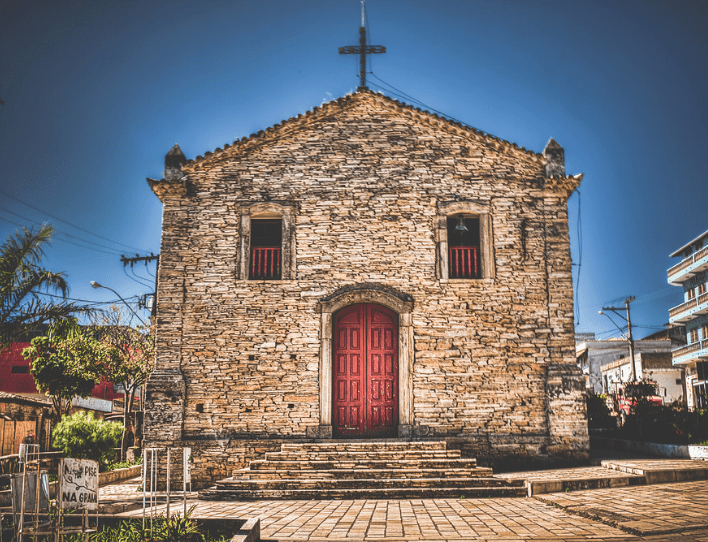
{"x":125,"y":272}
{"x":579,"y":234}
{"x":58,"y":239}
{"x":67,"y":222}
{"x":84,"y":300}
{"x":132,"y":270}
{"x":59,"y":232}
{"x":403,"y":95}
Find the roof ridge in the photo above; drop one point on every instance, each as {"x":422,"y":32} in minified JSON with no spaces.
{"x":320,"y":111}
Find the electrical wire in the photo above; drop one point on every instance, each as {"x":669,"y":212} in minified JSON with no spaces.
{"x":669,"y":291}
{"x":11,"y":222}
{"x":125,"y":272}
{"x":85,"y":300}
{"x":579,"y":234}
{"x":69,"y":223}
{"x":112,"y":252}
{"x":405,"y":96}
{"x":132,"y":270}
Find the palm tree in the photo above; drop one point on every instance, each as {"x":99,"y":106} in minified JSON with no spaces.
{"x":22,"y":281}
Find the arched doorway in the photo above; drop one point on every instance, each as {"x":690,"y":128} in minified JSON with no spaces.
{"x":365,"y":372}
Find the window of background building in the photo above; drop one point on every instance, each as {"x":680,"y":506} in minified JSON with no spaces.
{"x":693,"y":336}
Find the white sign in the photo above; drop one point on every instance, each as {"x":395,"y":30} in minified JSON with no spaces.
{"x":79,"y":484}
{"x":93,"y":403}
{"x":186,"y":457}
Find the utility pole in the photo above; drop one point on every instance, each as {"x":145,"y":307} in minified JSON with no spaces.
{"x":146,"y":259}
{"x":627,"y":319}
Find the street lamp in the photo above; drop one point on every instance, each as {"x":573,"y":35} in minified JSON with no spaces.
{"x":95,"y":284}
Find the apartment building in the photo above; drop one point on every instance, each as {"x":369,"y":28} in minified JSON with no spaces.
{"x":691,"y":273}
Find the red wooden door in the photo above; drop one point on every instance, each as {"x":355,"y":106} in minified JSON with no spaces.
{"x":365,"y":372}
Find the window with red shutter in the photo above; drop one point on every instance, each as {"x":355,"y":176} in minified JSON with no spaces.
{"x":464,"y":256}
{"x":266,"y":250}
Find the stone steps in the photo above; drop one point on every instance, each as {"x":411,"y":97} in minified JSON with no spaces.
{"x":478,"y":472}
{"x":363,"y":469}
{"x":263,"y":464}
{"x":363,"y":455}
{"x":364,"y":493}
{"x":365,"y":483}
{"x":364,"y":446}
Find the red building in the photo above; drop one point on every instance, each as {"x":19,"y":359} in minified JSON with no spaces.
{"x":15,"y":376}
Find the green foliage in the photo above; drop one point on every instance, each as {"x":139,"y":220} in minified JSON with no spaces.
{"x":67,"y":363}
{"x":21,"y":282}
{"x":85,"y":437}
{"x":669,"y":424}
{"x":599,"y":416}
{"x":178,"y":529}
{"x":173,"y":529}
{"x":124,"y":464}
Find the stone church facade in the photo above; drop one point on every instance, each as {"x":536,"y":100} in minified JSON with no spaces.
{"x":366,"y":270}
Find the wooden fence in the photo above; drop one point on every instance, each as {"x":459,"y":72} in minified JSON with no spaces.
{"x":13,"y":432}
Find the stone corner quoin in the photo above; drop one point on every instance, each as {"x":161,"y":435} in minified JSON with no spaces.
{"x":377,"y":314}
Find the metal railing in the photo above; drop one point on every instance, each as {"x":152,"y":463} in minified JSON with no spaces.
{"x":683,"y":307}
{"x":683,"y":264}
{"x":265,"y":263}
{"x":689,"y":349}
{"x":464,"y":263}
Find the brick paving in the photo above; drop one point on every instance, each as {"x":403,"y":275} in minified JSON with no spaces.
{"x":415,"y":520}
{"x":653,"y":513}
{"x":653,"y":509}
{"x":652,"y":465}
{"x":578,"y":473}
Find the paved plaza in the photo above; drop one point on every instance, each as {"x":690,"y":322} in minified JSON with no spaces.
{"x":655,"y":512}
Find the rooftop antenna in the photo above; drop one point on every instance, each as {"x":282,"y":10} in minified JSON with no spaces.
{"x":362,"y":49}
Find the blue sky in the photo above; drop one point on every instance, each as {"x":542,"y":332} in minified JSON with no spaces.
{"x":96,"y":92}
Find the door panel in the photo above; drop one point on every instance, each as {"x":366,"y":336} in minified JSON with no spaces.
{"x":365,"y":372}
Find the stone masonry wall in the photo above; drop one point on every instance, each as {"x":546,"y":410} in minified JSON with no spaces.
{"x":365,"y":178}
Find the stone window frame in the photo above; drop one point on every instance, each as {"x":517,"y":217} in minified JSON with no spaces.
{"x":268,"y":211}
{"x":406,"y":354}
{"x":465,"y":209}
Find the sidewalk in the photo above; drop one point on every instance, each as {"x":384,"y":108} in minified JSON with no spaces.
{"x":621,"y":512}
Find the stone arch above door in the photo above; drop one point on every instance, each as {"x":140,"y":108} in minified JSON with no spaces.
{"x":399,"y":302}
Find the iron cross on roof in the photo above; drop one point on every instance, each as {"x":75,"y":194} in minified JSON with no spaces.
{"x":363,"y":50}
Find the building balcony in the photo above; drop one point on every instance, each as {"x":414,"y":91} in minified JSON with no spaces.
{"x":689,"y":310}
{"x":691,"y":353}
{"x":688,"y":267}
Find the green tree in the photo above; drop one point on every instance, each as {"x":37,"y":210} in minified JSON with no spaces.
{"x":22,"y":282}
{"x":82,"y":436}
{"x":134,"y":361}
{"x":67,"y":363}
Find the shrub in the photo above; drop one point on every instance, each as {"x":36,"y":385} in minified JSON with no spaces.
{"x":84,"y":437}
{"x":669,"y":424}
{"x":173,"y":529}
{"x":599,"y":416}
{"x":124,"y":464}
